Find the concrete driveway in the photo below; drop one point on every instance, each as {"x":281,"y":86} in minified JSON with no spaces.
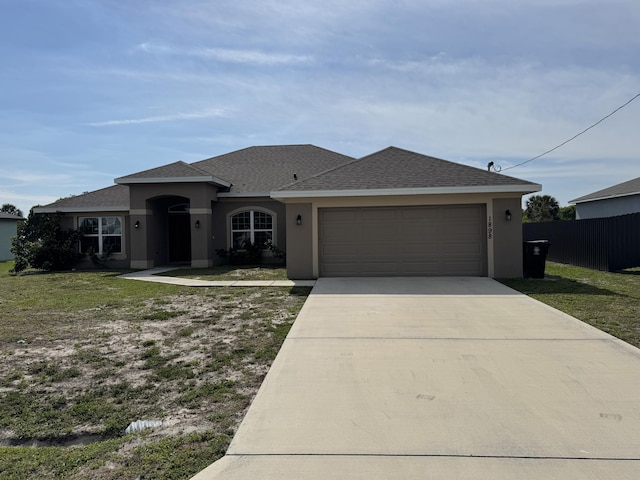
{"x":448,"y":378}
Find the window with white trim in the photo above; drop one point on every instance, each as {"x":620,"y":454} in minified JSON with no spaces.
{"x":100,"y":234}
{"x":251,"y":226}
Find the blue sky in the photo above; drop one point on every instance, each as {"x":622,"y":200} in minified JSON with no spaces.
{"x":94,"y":90}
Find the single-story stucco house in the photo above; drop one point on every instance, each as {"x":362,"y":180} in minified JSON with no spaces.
{"x":391,"y":213}
{"x":8,"y":230}
{"x":620,"y":199}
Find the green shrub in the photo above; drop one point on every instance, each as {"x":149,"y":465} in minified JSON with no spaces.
{"x":41,"y":243}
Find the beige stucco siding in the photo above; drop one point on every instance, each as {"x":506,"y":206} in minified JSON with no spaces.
{"x":503,"y":261}
{"x":507,"y":242}
{"x":225,"y":207}
{"x":299,"y":241}
{"x":200,"y":195}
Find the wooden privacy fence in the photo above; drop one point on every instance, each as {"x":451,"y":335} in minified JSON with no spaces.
{"x":608,"y":244}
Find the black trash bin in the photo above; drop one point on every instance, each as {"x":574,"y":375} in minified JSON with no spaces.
{"x":534,"y":258}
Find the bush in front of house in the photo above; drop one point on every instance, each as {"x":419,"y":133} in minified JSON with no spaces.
{"x":41,"y":243}
{"x":250,"y":254}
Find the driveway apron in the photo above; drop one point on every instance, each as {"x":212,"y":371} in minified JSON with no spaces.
{"x":463,"y":378}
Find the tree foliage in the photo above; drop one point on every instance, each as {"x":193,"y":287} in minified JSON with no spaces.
{"x":12,"y":209}
{"x":41,"y":243}
{"x":542,"y":208}
{"x":567,"y":213}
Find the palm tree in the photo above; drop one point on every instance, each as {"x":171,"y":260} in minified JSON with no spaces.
{"x":542,"y":208}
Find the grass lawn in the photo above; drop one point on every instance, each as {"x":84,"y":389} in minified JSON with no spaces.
{"x":83,"y":354}
{"x":608,"y":301}
{"x":232,"y":272}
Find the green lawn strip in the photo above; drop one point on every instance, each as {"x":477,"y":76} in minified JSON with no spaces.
{"x":231,"y":272}
{"x":177,"y":457}
{"x":608,"y":301}
{"x":86,"y":353}
{"x":22,"y":463}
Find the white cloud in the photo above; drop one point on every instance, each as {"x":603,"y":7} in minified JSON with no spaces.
{"x":213,"y":113}
{"x":239,"y":56}
{"x":17,"y":178}
{"x":251,"y":56}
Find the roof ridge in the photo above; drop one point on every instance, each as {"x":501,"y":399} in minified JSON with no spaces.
{"x":260,"y":146}
{"x":323,"y":172}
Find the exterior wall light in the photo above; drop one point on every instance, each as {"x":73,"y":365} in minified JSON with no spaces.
{"x":507,"y":215}
{"x":137,"y":224}
{"x":197,"y":223}
{"x":299,"y":220}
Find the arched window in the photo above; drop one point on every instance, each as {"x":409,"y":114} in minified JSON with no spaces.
{"x":253,"y":226}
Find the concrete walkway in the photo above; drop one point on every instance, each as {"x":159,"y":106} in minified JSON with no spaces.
{"x":154,"y":275}
{"x":447,"y":378}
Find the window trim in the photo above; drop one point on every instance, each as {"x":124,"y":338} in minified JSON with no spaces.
{"x":252,"y":209}
{"x":100,"y":236}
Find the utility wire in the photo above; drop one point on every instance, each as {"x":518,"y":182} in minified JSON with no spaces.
{"x":575,"y":136}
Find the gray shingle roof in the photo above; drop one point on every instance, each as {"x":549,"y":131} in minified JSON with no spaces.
{"x":10,"y":216}
{"x":631,"y":187}
{"x":261,"y":170}
{"x":111,"y":198}
{"x":266,"y":168}
{"x":395,"y":168}
{"x":171,"y":172}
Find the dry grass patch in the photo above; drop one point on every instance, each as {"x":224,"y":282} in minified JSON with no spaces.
{"x":83,"y":354}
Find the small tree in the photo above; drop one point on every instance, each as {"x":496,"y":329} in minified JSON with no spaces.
{"x":542,"y":208}
{"x":12,"y":209}
{"x":41,"y":243}
{"x":567,"y":213}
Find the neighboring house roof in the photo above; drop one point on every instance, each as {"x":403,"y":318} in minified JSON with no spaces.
{"x":259,"y":170}
{"x":10,"y":216}
{"x":110,"y":199}
{"x":394,"y":171}
{"x":177,"y":172}
{"x":631,"y":187}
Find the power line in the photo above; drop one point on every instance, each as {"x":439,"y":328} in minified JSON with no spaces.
{"x":575,"y":136}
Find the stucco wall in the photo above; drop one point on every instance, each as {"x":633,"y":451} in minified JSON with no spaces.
{"x":507,"y":242}
{"x":504,"y":248}
{"x":221,"y":221}
{"x":611,"y":207}
{"x":8,"y":230}
{"x":199,"y":195}
{"x":299,"y":241}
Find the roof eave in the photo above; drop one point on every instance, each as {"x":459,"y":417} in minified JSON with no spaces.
{"x":244,"y":194}
{"x":608,"y":197}
{"x":118,"y":208}
{"x":211,"y":179}
{"x":520,"y":189}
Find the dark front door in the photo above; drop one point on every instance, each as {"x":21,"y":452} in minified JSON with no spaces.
{"x":179,"y":237}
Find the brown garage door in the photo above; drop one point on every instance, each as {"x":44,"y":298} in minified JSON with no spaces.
{"x":395,"y":241}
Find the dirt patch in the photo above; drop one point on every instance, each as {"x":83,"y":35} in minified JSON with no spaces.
{"x":193,"y":361}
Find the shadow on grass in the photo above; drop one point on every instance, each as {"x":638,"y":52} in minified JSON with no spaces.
{"x":300,"y":291}
{"x":553,"y":284}
{"x":630,"y":271}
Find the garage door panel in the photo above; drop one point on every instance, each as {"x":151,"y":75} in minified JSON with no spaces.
{"x":428,"y":240}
